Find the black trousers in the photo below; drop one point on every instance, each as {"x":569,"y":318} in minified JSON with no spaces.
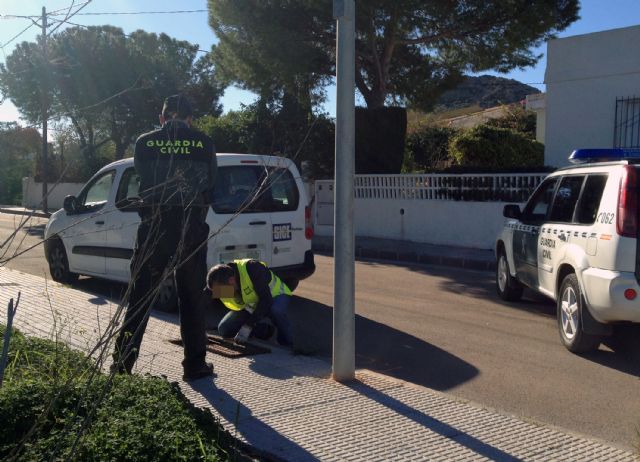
{"x":167,"y":246}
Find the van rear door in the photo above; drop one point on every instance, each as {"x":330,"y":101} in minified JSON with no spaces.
{"x":286,"y":200}
{"x":239,"y":225}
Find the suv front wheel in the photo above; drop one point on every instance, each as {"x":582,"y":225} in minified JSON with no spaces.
{"x":570,"y":324}
{"x":508,"y":287}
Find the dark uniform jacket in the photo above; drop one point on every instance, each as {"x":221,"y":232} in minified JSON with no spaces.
{"x":177,"y":166}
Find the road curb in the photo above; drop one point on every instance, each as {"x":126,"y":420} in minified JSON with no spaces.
{"x":412,"y":257}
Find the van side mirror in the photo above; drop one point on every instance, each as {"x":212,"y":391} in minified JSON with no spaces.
{"x":512,"y":211}
{"x":70,"y":204}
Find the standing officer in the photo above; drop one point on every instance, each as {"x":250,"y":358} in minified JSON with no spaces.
{"x":252,"y":292}
{"x":177,"y":168}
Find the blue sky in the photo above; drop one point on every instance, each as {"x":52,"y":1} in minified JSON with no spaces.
{"x":596,"y":15}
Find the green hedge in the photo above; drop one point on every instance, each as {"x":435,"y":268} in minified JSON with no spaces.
{"x":52,"y":394}
{"x":428,"y":146}
{"x":492,"y":147}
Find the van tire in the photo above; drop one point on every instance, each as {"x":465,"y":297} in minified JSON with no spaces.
{"x":292,"y":283}
{"x":570,"y":306}
{"x":508,"y":287}
{"x":59,"y":263}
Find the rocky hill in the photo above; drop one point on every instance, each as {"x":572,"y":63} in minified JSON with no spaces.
{"x":484,"y":91}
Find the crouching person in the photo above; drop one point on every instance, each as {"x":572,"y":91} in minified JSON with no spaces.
{"x":252,"y":292}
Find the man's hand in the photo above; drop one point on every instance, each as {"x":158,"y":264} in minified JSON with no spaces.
{"x":243,"y":335}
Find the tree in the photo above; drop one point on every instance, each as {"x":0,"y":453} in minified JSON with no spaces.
{"x":407,"y":51}
{"x":20,"y":148}
{"x":277,"y":128}
{"x":107,"y":85}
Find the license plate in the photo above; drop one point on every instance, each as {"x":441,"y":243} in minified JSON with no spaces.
{"x":227,"y":257}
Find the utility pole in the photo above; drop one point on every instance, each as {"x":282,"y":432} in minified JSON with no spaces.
{"x":344,"y":244}
{"x":45,"y":110}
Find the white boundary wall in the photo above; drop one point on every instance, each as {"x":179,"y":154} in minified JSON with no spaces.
{"x":405,"y":207}
{"x":32,"y":193}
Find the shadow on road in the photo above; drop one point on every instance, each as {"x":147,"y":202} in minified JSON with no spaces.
{"x":35,"y":230}
{"x":380,"y":348}
{"x":624,"y":345}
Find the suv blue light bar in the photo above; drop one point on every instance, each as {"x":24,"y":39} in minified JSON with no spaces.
{"x":584,"y":156}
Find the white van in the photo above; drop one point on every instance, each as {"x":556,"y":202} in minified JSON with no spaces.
{"x":95,"y":233}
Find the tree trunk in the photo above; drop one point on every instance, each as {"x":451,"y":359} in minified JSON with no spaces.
{"x":120,"y":150}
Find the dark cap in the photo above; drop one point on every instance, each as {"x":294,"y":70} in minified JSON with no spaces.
{"x":177,"y":106}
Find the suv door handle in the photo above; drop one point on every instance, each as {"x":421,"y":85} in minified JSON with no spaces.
{"x":100,"y":222}
{"x":258,"y":223}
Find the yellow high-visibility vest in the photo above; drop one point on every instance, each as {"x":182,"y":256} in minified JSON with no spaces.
{"x":249,"y":297}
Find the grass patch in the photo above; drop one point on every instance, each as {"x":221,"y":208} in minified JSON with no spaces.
{"x":56,"y":405}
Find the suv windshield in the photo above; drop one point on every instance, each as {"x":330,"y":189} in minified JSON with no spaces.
{"x":254,"y":189}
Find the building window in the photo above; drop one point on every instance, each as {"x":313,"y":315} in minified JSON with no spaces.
{"x":627,"y":125}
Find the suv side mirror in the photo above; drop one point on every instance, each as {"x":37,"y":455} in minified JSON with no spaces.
{"x":512,"y":211}
{"x":70,"y":204}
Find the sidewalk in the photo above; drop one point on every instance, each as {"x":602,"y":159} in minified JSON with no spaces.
{"x":413,"y":252}
{"x":288,"y":407}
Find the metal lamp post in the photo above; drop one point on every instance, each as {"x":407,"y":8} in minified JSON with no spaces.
{"x":344,"y":244}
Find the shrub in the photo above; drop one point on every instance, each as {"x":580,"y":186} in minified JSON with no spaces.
{"x":128,"y":418}
{"x":518,"y":119}
{"x":491,"y":147}
{"x":428,"y":146}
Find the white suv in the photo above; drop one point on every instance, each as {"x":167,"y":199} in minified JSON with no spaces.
{"x":95,"y":233}
{"x":576,"y":242}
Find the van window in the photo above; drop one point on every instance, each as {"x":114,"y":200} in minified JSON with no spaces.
{"x":590,"y":200}
{"x":128,"y":189}
{"x":96,"y":193}
{"x":129,"y":185}
{"x":566,"y":198}
{"x":255,"y":189}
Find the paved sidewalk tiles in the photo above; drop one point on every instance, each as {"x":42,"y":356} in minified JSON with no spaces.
{"x":288,"y":406}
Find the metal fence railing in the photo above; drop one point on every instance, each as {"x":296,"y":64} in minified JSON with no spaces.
{"x":502,"y":187}
{"x":627,"y":123}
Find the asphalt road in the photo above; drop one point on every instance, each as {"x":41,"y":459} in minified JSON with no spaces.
{"x":446,"y":329}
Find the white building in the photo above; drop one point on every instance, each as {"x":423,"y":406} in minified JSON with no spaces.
{"x":593,"y":93}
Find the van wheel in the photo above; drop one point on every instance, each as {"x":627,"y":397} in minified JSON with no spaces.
{"x":291,"y":283}
{"x":167,"y":299}
{"x":59,"y":264}
{"x":569,"y":313}
{"x":508,"y":287}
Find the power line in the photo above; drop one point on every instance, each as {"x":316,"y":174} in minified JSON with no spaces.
{"x":50,"y":13}
{"x":70,"y":15}
{"x":126,"y":35}
{"x":105,"y":13}
{"x":16,"y":36}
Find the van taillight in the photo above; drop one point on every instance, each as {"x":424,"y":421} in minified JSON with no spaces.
{"x":627,"y":224}
{"x":308,"y":227}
